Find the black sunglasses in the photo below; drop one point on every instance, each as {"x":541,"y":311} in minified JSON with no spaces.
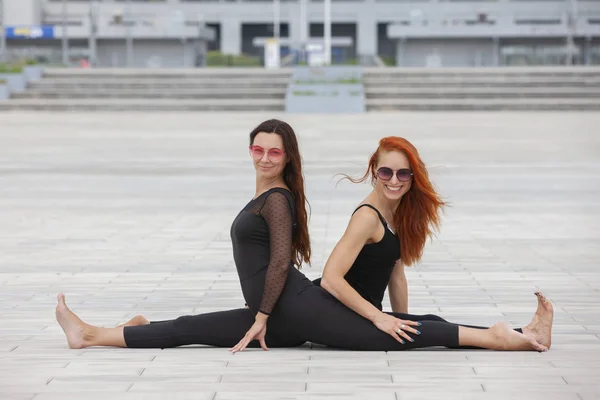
{"x":403,"y":175}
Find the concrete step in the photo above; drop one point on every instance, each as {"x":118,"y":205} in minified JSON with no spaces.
{"x":144,"y":105}
{"x":488,"y":85}
{"x":505,"y":77}
{"x":158,"y":95}
{"x":177,"y":73}
{"x":49,"y":93}
{"x":486,"y":71}
{"x":507,"y":93}
{"x":555,"y":104}
{"x":479,"y":80}
{"x":114,"y":86}
{"x":151,"y":80}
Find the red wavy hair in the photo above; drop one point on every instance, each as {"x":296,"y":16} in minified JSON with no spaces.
{"x":418,"y":214}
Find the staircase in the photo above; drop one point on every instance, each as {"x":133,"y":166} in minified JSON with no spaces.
{"x":509,"y":88}
{"x":208,"y":89}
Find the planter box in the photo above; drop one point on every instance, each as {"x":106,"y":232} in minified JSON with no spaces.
{"x":33,"y":72}
{"x":15,"y":82}
{"x":326,"y":90}
{"x":3,"y":92}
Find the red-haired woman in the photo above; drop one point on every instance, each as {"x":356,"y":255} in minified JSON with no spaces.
{"x":270,"y":237}
{"x":387,"y":232}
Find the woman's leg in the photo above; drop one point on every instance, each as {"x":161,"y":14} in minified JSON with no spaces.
{"x":433,"y":317}
{"x":497,"y":337}
{"x":324,"y":320}
{"x":135,"y":321}
{"x":80,"y":335}
{"x":540,"y":327}
{"x":222,"y":329}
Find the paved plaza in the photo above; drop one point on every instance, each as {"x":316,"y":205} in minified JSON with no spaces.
{"x":130,"y":213}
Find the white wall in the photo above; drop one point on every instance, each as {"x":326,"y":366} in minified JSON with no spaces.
{"x":147,"y":53}
{"x":22,"y":12}
{"x":446,"y":53}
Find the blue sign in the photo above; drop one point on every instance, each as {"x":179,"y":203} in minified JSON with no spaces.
{"x":30,"y":32}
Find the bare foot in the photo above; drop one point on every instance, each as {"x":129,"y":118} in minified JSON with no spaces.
{"x":135,"y":321}
{"x":540,"y":327}
{"x":75,"y":329}
{"x":508,"y":339}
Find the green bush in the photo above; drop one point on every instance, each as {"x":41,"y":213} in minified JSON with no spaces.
{"x":11,"y":68}
{"x":339,"y":81}
{"x":218,"y":59}
{"x":2,"y":81}
{"x":304,"y":93}
{"x":389,"y":61}
{"x":16,"y":67}
{"x":351,"y":61}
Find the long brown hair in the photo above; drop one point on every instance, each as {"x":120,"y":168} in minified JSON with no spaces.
{"x":418,"y":214}
{"x":294,"y":179}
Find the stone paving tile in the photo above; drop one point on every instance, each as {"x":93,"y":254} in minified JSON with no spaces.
{"x":129,"y":214}
{"x":18,"y":396}
{"x":431,"y":386}
{"x":589,"y":394}
{"x":521,"y":395}
{"x":127,"y":396}
{"x":243,"y":387}
{"x":307,"y":396}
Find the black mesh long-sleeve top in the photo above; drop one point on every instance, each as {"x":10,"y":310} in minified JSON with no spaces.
{"x":261,"y":235}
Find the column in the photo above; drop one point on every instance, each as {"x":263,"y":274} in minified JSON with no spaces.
{"x":400,"y":52}
{"x":231,"y":36}
{"x":367,"y":31}
{"x":497,"y":59}
{"x":295,"y":24}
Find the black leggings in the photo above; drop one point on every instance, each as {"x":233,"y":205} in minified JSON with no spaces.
{"x":308,"y":315}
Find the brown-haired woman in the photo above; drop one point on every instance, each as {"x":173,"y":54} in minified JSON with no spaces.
{"x":387,"y":232}
{"x":269,"y":236}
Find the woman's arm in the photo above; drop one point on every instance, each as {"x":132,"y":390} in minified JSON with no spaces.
{"x":278,"y":216}
{"x":398,"y":288}
{"x":362,"y":228}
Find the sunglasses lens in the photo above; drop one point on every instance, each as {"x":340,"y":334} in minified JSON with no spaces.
{"x":404,"y":175}
{"x":257,"y":152}
{"x":385,"y":173}
{"x":275,"y":154}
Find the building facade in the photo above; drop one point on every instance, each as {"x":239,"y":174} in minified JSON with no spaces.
{"x":415,"y":33}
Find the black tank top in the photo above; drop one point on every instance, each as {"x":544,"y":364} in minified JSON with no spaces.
{"x":261,"y":236}
{"x":371,"y":271}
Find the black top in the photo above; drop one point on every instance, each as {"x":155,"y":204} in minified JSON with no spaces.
{"x":371,"y":271}
{"x":261,"y":235}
